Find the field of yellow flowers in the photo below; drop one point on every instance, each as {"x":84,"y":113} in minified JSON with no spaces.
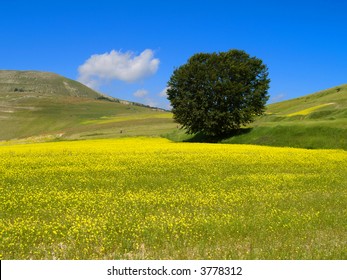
{"x":149,"y":198}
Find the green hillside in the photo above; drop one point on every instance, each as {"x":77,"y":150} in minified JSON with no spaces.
{"x":41,"y":106}
{"x":41,"y":84}
{"x":313,"y":121}
{"x":317,"y":120}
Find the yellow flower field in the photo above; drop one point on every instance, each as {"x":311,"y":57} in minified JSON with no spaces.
{"x":149,"y":198}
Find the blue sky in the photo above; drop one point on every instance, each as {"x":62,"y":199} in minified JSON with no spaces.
{"x":129,"y":49}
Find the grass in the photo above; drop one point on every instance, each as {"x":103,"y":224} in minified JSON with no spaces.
{"x":42,"y":84}
{"x":74,"y":118}
{"x":316,"y":121}
{"x":48,"y":107}
{"x":40,"y":105}
{"x":149,"y":198}
{"x":300,"y":136}
{"x":335,"y":95}
{"x":309,"y":110}
{"x":122,"y":118}
{"x":313,"y":121}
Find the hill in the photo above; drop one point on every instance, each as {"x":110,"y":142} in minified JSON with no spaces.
{"x":41,"y":106}
{"x":313,"y":121}
{"x":41,"y":84}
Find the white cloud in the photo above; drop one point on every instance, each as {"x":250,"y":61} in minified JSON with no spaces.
{"x":115,"y":65}
{"x":163,"y":93}
{"x":277,"y":98}
{"x":150,"y":102}
{"x":145,"y":99}
{"x":140,"y":93}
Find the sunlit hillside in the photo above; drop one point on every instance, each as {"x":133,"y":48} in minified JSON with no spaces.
{"x":40,"y":106}
{"x":317,"y":120}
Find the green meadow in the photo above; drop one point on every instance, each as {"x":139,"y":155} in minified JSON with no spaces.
{"x":38,"y":106}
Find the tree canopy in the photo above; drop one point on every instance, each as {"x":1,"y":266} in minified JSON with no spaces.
{"x":217,"y":93}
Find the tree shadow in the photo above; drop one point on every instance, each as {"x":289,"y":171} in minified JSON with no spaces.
{"x":203,"y":138}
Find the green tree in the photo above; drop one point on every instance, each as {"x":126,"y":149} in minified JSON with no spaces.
{"x":217,"y":93}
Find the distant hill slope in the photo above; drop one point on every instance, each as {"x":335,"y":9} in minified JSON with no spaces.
{"x":42,"y":84}
{"x":314,"y":121}
{"x":44,"y":106}
{"x":330,"y":103}
{"x":40,"y":106}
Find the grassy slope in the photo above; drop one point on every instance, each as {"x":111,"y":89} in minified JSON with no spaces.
{"x":317,"y":120}
{"x":42,"y":84}
{"x":44,"y":106}
{"x":314,"y":121}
